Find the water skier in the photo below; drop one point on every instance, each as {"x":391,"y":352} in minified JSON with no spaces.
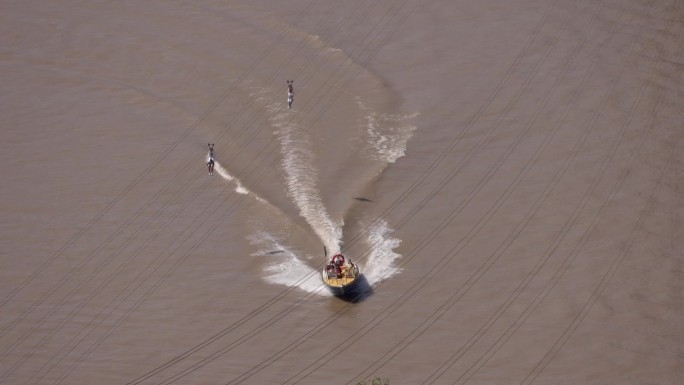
{"x":210,"y":163}
{"x":290,"y":93}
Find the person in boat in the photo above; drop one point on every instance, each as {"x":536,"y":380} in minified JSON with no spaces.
{"x":210,"y":163}
{"x":338,"y":271}
{"x":290,"y":93}
{"x":338,"y":262}
{"x":330,"y":270}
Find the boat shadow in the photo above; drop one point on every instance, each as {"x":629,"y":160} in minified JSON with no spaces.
{"x":361,"y":291}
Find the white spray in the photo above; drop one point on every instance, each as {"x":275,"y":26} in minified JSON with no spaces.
{"x":239,"y":188}
{"x":382,"y":257}
{"x":302,"y":179}
{"x":385,"y":141}
{"x":386,"y":135}
{"x":286,"y":268}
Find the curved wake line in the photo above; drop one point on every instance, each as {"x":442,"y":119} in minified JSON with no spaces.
{"x":386,"y":135}
{"x":385,"y":140}
{"x":239,"y":188}
{"x":288,"y":267}
{"x":302,"y":179}
{"x":381,"y":261}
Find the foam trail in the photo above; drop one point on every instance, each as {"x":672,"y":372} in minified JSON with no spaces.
{"x":302,"y":180}
{"x":386,"y":135}
{"x":286,"y":267}
{"x":385,"y":141}
{"x":239,"y":188}
{"x":381,"y":261}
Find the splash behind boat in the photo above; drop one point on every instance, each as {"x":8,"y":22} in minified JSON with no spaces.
{"x":340,"y":275}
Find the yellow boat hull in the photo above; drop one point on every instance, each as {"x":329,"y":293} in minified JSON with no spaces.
{"x":344,"y":283}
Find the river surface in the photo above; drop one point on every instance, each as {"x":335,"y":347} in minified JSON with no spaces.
{"x":508,"y":175}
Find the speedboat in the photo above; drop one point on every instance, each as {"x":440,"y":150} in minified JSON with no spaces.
{"x":341,"y":275}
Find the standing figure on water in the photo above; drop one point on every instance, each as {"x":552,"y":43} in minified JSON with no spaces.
{"x":290,"y":93}
{"x":210,"y":163}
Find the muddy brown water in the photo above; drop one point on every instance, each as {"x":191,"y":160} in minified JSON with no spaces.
{"x":508,"y":175}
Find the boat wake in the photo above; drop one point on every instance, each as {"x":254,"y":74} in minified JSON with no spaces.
{"x":288,"y":267}
{"x":381,"y":262}
{"x":302,"y":178}
{"x":382,"y":140}
{"x":386,"y":135}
